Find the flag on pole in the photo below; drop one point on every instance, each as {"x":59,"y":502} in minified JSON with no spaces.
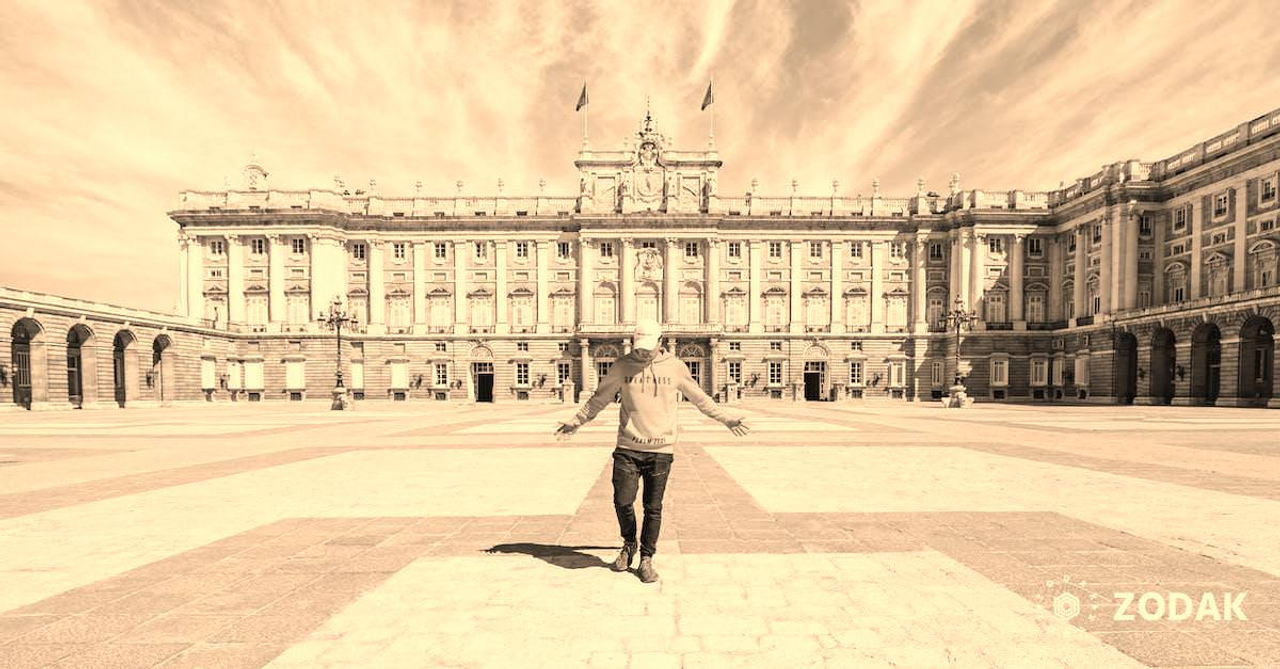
{"x":707,"y":99}
{"x":582,"y":98}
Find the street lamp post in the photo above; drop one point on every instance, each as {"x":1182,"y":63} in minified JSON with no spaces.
{"x":959,"y":318}
{"x":336,"y":317}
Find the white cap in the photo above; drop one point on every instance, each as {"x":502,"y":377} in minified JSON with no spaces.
{"x":647,"y":334}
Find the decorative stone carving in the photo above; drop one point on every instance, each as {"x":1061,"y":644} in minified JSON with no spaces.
{"x":649,"y":264}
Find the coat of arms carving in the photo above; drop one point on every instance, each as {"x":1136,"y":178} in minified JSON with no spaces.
{"x":649,"y":264}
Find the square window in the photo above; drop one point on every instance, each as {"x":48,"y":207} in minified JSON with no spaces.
{"x":995,"y":244}
{"x":855,"y":372}
{"x":562,"y":250}
{"x":1035,"y":247}
{"x":482,"y":250}
{"x":735,"y":249}
{"x":442,"y":374}
{"x":735,"y":371}
{"x":855,"y":346}
{"x":691,"y":249}
{"x":775,"y":346}
{"x":735,"y":346}
{"x":441,"y":251}
{"x":935,"y":251}
{"x":441,"y":347}
{"x":855,"y":249}
{"x":218,"y":247}
{"x":562,"y":347}
{"x":775,"y":373}
{"x":358,"y":251}
{"x":299,"y":246}
{"x":648,"y":244}
{"x":775,"y":249}
{"x":398,"y":250}
{"x":564,"y":369}
{"x":258,"y":246}
{"x":1218,"y":238}
{"x":522,"y":249}
{"x":897,"y":250}
{"x":606,"y":249}
{"x":1220,"y":205}
{"x":815,"y":249}
{"x":1264,"y":226}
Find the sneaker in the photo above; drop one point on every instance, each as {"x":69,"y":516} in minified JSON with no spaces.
{"x":646,"y":571}
{"x":623,"y":562}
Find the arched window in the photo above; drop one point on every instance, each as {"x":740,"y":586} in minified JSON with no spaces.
{"x":690,"y":303}
{"x":1175,"y":283}
{"x":606,"y":303}
{"x":1262,"y":264}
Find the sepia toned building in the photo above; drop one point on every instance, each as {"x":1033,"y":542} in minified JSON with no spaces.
{"x":1143,"y":282}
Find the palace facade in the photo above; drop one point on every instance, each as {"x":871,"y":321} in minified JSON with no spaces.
{"x":1143,"y":282}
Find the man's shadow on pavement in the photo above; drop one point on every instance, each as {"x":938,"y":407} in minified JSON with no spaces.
{"x":565,"y":557}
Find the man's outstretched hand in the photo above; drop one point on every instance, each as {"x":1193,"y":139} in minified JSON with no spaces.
{"x":565,"y":431}
{"x":738,"y":427}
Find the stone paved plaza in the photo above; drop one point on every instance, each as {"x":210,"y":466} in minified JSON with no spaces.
{"x":440,"y":535}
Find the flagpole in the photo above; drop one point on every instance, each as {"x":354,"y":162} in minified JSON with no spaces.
{"x":710,"y":83}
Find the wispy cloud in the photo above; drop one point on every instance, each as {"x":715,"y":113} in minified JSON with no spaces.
{"x":112,"y":109}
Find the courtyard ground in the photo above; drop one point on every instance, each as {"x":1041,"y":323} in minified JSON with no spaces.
{"x":425,"y":535}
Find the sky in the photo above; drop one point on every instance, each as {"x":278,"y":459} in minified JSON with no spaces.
{"x":111,"y":109}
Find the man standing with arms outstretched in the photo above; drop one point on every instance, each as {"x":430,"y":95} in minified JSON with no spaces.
{"x":648,"y":380}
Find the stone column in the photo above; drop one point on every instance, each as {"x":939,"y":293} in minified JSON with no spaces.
{"x":1157,"y":269}
{"x":420,"y":314}
{"x":713,"y":283}
{"x":1131,"y":261}
{"x":838,"y":249}
{"x":544,"y":285}
{"x":588,"y":369}
{"x":378,"y":287}
{"x":919,"y":286}
{"x":713,"y":365}
{"x":1240,"y":252}
{"x":1056,"y":269}
{"x":1105,"y":273}
{"x":755,"y":307}
{"x":797,"y":270}
{"x":585,"y":314}
{"x":626,"y":283}
{"x":965,"y":244}
{"x":875,"y":300}
{"x":670,"y":282}
{"x":235,"y":280}
{"x":194,"y":279}
{"x":276,"y":309}
{"x":460,"y":289}
{"x":1195,"y":226}
{"x":978,"y":274}
{"x":1016,"y":300}
{"x":1082,"y":258}
{"x":501,"y":326}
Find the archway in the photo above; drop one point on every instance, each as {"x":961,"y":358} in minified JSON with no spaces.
{"x":1206,"y":363}
{"x":124,"y":367}
{"x":29,"y":374}
{"x":817,"y":380}
{"x":480,"y":375}
{"x":82,"y":377}
{"x":1257,"y":361}
{"x":695,"y":358}
{"x":1164,"y":360}
{"x":162,"y":376}
{"x":1126,"y":374}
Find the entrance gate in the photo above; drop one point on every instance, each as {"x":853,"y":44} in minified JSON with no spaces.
{"x":815,"y":372}
{"x":482,"y":372}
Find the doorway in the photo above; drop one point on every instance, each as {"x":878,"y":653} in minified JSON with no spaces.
{"x":814,"y":374}
{"x":124,"y":367}
{"x":1126,"y":367}
{"x":1164,"y":359}
{"x":1257,"y":361}
{"x":482,"y":372}
{"x":1206,"y":363}
{"x":21,"y":342}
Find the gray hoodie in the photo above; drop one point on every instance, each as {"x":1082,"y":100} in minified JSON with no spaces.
{"x":647,"y":421}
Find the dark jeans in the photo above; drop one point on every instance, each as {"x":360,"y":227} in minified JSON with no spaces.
{"x":628,"y":468}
